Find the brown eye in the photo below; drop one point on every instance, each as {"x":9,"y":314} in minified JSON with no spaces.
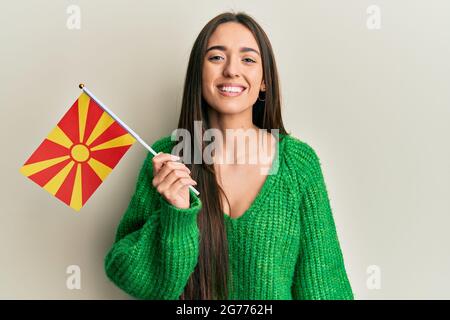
{"x":249,"y":60}
{"x":214,"y":58}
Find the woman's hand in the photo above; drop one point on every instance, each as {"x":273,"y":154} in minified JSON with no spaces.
{"x":172,"y":180}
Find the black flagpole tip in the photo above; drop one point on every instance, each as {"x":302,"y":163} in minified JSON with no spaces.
{"x":81,"y":85}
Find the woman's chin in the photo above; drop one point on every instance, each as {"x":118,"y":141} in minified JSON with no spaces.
{"x":230,"y":109}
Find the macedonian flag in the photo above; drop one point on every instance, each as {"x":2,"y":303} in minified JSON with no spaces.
{"x":79,"y":153}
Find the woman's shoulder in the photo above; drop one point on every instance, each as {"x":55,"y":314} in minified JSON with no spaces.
{"x":301,"y":156}
{"x":299,"y":149}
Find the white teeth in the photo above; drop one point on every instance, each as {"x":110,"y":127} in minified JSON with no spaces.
{"x":232,"y":89}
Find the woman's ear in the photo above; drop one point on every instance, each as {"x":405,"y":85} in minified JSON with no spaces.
{"x":263,"y":86}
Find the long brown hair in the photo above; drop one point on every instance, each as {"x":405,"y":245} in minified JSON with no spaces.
{"x":210,"y":279}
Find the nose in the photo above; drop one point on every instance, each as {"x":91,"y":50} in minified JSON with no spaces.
{"x":231,"y":68}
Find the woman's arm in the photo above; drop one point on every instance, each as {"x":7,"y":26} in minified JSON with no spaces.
{"x":157,"y":244}
{"x":320,"y":271}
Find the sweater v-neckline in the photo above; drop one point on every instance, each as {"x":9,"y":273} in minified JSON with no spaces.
{"x":270,"y":179}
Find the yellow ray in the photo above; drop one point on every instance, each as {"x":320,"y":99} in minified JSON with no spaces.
{"x":58,"y":136}
{"x":124,"y":140}
{"x":32,"y":168}
{"x":55,"y":183}
{"x":103,"y":123}
{"x":101,"y":169}
{"x":83,"y":107}
{"x":75,"y":201}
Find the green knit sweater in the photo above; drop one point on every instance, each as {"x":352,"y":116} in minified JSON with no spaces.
{"x":284,"y":246}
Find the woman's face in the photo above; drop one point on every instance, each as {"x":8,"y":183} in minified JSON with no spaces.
{"x":232,"y":74}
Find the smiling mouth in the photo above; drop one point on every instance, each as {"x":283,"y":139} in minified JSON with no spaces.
{"x":231,"y":91}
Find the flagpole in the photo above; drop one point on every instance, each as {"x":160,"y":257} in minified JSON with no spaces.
{"x":134,"y":134}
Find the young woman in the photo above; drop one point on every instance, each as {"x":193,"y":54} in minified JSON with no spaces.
{"x":247,"y":235}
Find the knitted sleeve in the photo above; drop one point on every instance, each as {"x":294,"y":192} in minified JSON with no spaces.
{"x":320,"y":272}
{"x":157,"y":244}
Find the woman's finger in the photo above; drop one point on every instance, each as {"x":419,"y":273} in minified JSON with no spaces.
{"x":159,"y":160}
{"x":178,"y":185}
{"x":166,"y":183}
{"x":168,"y":167}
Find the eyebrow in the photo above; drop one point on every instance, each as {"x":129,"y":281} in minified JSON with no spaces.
{"x":242,"y":49}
